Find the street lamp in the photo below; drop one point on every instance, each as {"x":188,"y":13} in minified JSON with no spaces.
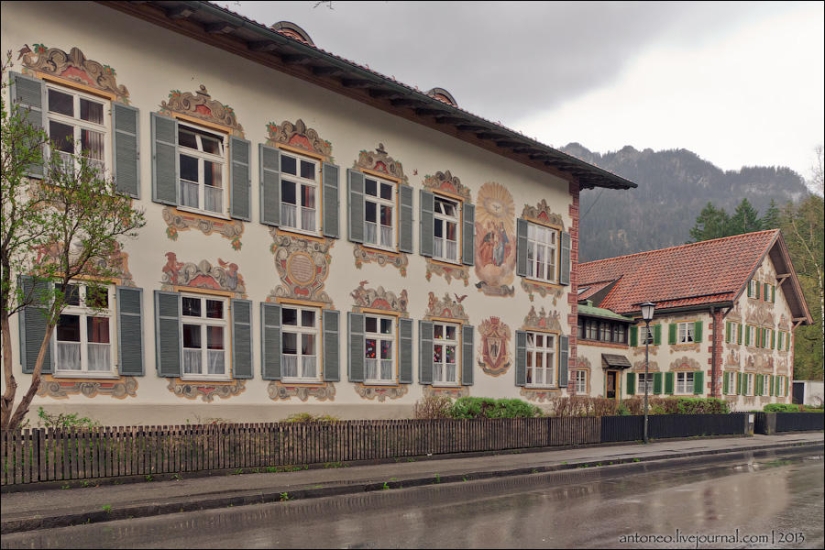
{"x":647,"y":315}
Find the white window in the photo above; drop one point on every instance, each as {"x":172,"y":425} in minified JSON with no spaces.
{"x":645,"y":335}
{"x":685,"y":334}
{"x":766,"y":343}
{"x":299,"y":192}
{"x":205,"y":332}
{"x":645,"y":380}
{"x":379,"y":213}
{"x":766,"y":385}
{"x":780,"y":386}
{"x":202,"y":169}
{"x":445,"y":353}
{"x":542,"y":251}
{"x":83,"y":335}
{"x":379,"y":349}
{"x":541,"y":359}
{"x":78,"y":123}
{"x":684,"y":382}
{"x":753,"y":291}
{"x":749,"y":331}
{"x":299,"y":347}
{"x":748,"y":383}
{"x":732,"y":333}
{"x":730,"y":378}
{"x":581,"y":382}
{"x":446,"y":218}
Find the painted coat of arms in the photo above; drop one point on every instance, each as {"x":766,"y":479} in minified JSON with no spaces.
{"x":495,"y":346}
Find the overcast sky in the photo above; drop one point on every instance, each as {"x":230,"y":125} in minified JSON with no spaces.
{"x":738,"y":83}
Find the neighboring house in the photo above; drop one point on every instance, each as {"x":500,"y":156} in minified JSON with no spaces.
{"x":321,"y":238}
{"x":723,"y":327}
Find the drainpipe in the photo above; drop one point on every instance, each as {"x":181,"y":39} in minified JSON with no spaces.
{"x":713,"y":373}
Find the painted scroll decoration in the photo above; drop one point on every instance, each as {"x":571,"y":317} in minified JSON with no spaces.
{"x":299,"y":136}
{"x":62,"y":388}
{"x":75,"y":67}
{"x":200,"y":105}
{"x":446,"y":307}
{"x":495,"y":346}
{"x":179,"y":220}
{"x":278,"y":390}
{"x":382,"y":163}
{"x":446,"y":182}
{"x":303,"y":266}
{"x":543,"y":215}
{"x":495,"y":240}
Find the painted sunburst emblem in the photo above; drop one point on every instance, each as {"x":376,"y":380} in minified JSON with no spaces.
{"x":497,"y":206}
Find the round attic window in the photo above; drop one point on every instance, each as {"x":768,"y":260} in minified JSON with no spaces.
{"x":292,"y":30}
{"x":443,"y":95}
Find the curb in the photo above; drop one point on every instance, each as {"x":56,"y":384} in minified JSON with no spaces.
{"x":236,"y":499}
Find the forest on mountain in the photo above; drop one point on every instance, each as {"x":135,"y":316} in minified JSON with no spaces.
{"x":674,"y":186}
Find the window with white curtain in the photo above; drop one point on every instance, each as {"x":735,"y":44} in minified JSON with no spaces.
{"x":299,"y":344}
{"x":202,"y":164}
{"x":541,"y":359}
{"x":379,"y":349}
{"x":379,"y":213}
{"x":205,"y":336}
{"x":83,"y":335}
{"x":78,"y":124}
{"x":299,"y":192}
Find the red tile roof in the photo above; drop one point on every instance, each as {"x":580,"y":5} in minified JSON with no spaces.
{"x":704,"y":273}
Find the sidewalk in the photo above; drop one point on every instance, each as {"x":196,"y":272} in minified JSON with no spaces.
{"x":40,"y":509}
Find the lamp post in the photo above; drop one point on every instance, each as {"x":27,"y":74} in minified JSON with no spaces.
{"x":647,"y":315}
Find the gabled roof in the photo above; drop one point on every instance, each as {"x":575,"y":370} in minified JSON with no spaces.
{"x":589,"y":310}
{"x":229,"y":31}
{"x":694,"y":276}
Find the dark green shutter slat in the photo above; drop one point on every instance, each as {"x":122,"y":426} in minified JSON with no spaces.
{"x":467,"y":359}
{"x":130,"y":331}
{"x":165,"y":173}
{"x":426,"y":227}
{"x":727,"y":332}
{"x":671,"y":333}
{"x":564,"y":275}
{"x":725,"y":383}
{"x":669,"y":383}
{"x":405,"y":362}
{"x":425,"y":352}
{"x":697,"y":332}
{"x":698,"y":383}
{"x":331,"y":201}
{"x":773,"y":339}
{"x":332,"y":356}
{"x":241,"y":177}
{"x":270,"y":174}
{"x":168,"y":345}
{"x":241,"y":339}
{"x":270,"y":341}
{"x":355,"y":365}
{"x":521,"y":247}
{"x":657,"y":383}
{"x":634,"y":336}
{"x":29,"y":93}
{"x":631,"y":383}
{"x":521,"y":358}
{"x":126,"y":169}
{"x":468,"y":234}
{"x":657,"y":335}
{"x":769,"y":382}
{"x":564,"y":358}
{"x":739,"y":334}
{"x":355,"y":194}
{"x":33,"y":325}
{"x":405,"y":219}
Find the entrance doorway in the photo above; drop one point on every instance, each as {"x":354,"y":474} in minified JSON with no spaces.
{"x":612,"y":389}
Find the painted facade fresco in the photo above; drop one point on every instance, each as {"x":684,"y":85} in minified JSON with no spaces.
{"x":303,"y":266}
{"x":495,"y":240}
{"x":297,"y":135}
{"x":451,"y":186}
{"x":495,"y":358}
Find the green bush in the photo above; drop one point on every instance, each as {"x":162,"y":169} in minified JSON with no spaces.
{"x":701,"y":405}
{"x":432,"y":407}
{"x":781,"y":408}
{"x":66,"y":421}
{"x":487,"y":407}
{"x":309,"y":417}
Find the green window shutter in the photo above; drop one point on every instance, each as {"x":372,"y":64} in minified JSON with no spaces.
{"x":657,"y":383}
{"x":405,"y":364}
{"x":739,"y":334}
{"x":669,"y":383}
{"x":240,"y":174}
{"x":405,"y":219}
{"x":773,"y":294}
{"x":631,"y":383}
{"x":126,"y":148}
{"x":168,"y":345}
{"x":425,"y":352}
{"x":30,"y":94}
{"x":468,"y":234}
{"x":270,"y":175}
{"x":564,"y":266}
{"x":788,"y":342}
{"x":750,"y":289}
{"x":241,"y":339}
{"x":775,"y":385}
{"x":671,"y":333}
{"x":697,"y":331}
{"x":355,"y":366}
{"x":725,"y":383}
{"x":165,"y":173}
{"x":773,"y":339}
{"x":130,"y":331}
{"x":331,"y":201}
{"x":521,"y":248}
{"x":426,"y":228}
{"x":564,"y":360}
{"x":758,"y":291}
{"x":634,"y":336}
{"x":657,"y":335}
{"x":521,"y":358}
{"x":355,"y":186}
{"x":271,"y":341}
{"x":33,"y":324}
{"x":727,"y":332}
{"x":467,"y":358}
{"x":332,"y":356}
{"x":738,"y":383}
{"x":698,"y":383}
{"x":785,"y":379}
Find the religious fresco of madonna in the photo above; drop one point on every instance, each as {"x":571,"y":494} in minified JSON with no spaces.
{"x":495,"y":240}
